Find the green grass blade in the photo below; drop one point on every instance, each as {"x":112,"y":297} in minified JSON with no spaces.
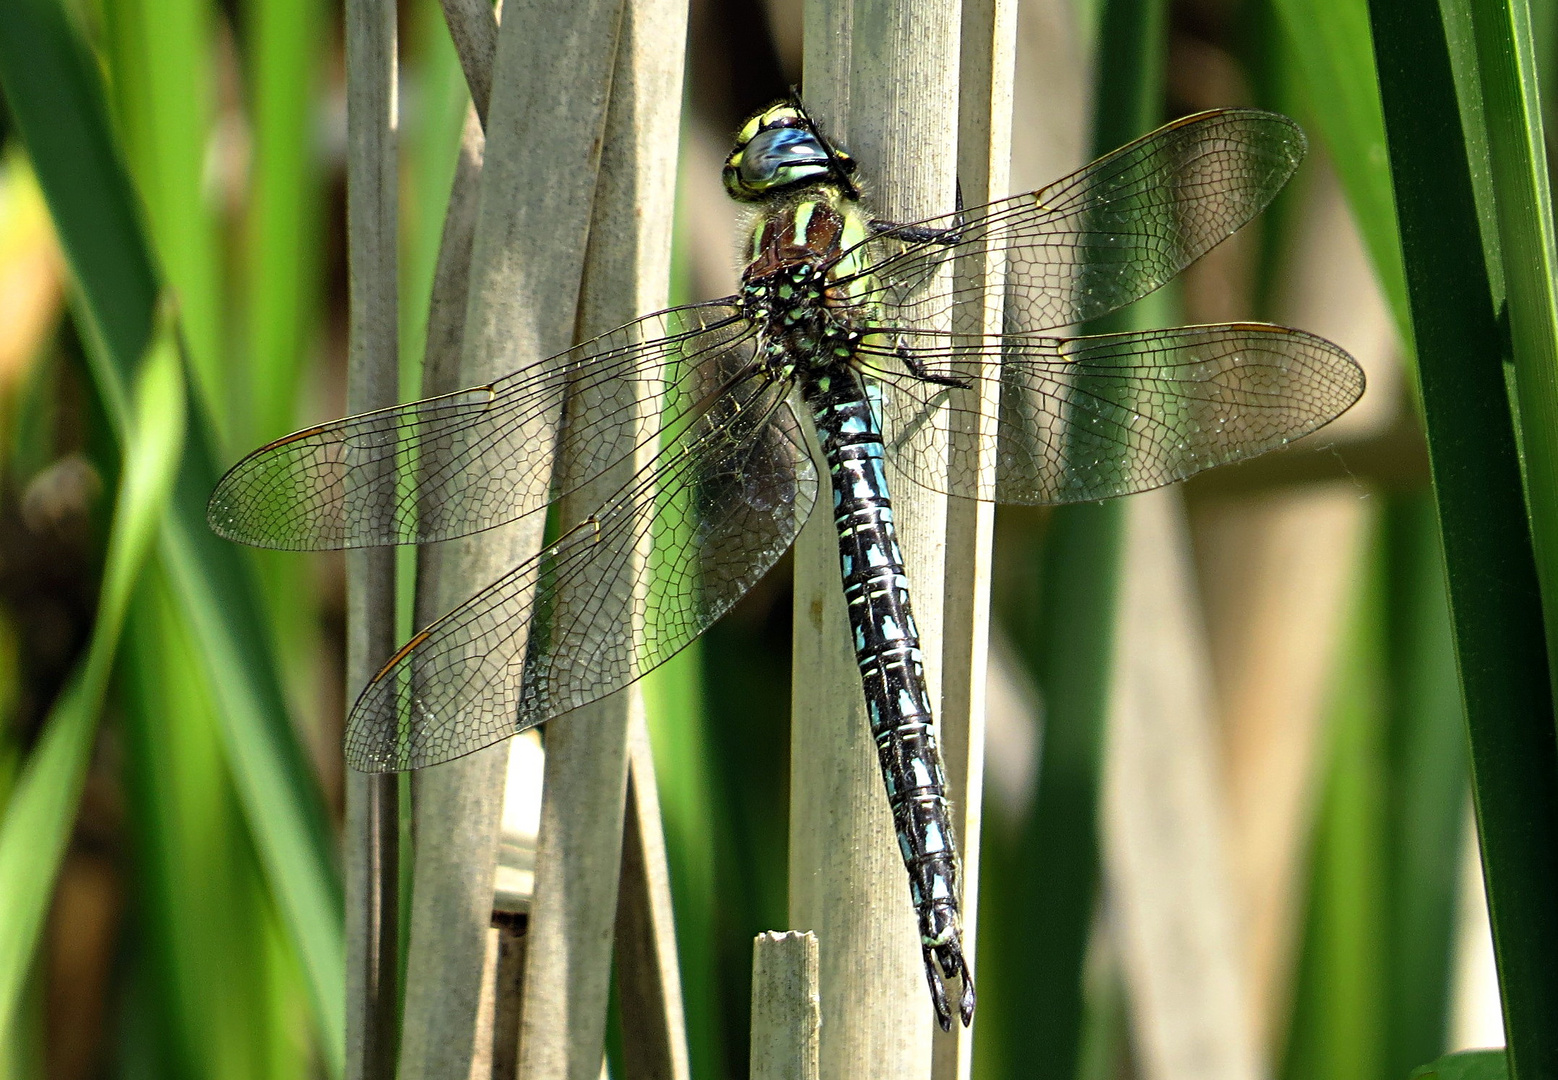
{"x":1466,"y":1065}
{"x":281,"y":266}
{"x":693,"y":821}
{"x":1047,"y":900}
{"x":43,"y":807}
{"x":1372,"y":993}
{"x":1494,"y":596}
{"x":284,"y":57}
{"x":281,"y":800}
{"x":430,"y":141}
{"x":280,"y":292}
{"x":1340,"y":994}
{"x":56,"y":101}
{"x":1517,"y":164}
{"x":1426,"y":757}
{"x":161,"y":94}
{"x":1330,"y":46}
{"x":205,"y":924}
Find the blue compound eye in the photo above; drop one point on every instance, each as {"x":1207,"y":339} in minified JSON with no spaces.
{"x":780,"y":149}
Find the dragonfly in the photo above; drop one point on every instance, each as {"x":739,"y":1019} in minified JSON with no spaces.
{"x":848,"y":351}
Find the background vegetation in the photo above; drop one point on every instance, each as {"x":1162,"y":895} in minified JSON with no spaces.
{"x":170,"y":707}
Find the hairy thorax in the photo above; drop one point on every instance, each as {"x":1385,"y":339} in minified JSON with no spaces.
{"x":797,"y":288}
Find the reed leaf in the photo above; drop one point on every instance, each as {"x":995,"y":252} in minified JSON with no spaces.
{"x":1495,"y":600}
{"x":56,"y":101}
{"x":42,"y":808}
{"x":1505,"y":62}
{"x":1466,"y":1065}
{"x":1330,"y":46}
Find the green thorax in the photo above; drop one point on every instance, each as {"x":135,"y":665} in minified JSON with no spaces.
{"x":804,"y":278}
{"x":814,"y":225}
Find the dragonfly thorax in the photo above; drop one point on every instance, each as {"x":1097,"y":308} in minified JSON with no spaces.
{"x":790,"y":288}
{"x":797,"y":326}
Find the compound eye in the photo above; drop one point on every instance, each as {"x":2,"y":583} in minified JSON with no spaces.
{"x":777,"y":149}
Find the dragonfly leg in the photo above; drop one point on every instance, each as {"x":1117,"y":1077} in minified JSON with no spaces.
{"x":918,"y":234}
{"x":923,"y":373}
{"x":921,"y":234}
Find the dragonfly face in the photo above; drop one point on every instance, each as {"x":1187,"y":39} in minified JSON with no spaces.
{"x":806,"y":285}
{"x":839,"y":325}
{"x":779,"y":149}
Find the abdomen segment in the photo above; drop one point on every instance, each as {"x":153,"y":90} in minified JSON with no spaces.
{"x":892,"y":674}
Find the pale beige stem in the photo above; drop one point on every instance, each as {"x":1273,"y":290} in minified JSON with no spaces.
{"x":882,"y":78}
{"x":372,"y":833}
{"x":989,"y":52}
{"x":1164,"y":825}
{"x":786,"y":1022}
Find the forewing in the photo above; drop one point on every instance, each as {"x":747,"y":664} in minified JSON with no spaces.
{"x":1108,"y":234}
{"x":615,"y":597}
{"x":452,"y":465}
{"x":1096,"y":417}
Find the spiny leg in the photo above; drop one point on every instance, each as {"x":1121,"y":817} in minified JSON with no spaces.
{"x":918,"y":369}
{"x":921,"y":234}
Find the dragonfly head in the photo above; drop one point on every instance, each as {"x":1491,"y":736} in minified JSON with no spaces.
{"x":780,"y":149}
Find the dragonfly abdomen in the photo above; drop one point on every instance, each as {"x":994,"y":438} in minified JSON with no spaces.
{"x":892,"y":672}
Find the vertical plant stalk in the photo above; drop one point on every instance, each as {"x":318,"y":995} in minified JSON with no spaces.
{"x":473,"y":25}
{"x":649,"y":985}
{"x":882,"y":78}
{"x":435,"y":1004}
{"x":988,"y":46}
{"x":1517,"y":160}
{"x":1163,"y":836}
{"x":625,"y":272}
{"x":786,"y":1020}
{"x":544,"y":131}
{"x":372,"y":838}
{"x":646,"y":964}
{"x":1500,"y":642}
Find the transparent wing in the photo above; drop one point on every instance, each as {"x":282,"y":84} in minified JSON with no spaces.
{"x":1095,"y":417}
{"x":619,"y":594}
{"x":452,"y":465}
{"x":1104,"y":236}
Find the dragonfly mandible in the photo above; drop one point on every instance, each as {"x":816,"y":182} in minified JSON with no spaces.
{"x":842,"y":326}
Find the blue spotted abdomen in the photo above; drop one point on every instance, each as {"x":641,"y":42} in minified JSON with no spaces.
{"x":887,"y":648}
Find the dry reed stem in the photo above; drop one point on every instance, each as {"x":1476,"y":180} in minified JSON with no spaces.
{"x":372,"y":834}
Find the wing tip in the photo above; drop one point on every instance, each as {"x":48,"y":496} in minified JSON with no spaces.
{"x":224,"y":515}
{"x":229,"y":520}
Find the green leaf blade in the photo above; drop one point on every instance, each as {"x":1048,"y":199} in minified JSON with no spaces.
{"x":39,"y":816}
{"x":54,"y":94}
{"x":1496,"y":610}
